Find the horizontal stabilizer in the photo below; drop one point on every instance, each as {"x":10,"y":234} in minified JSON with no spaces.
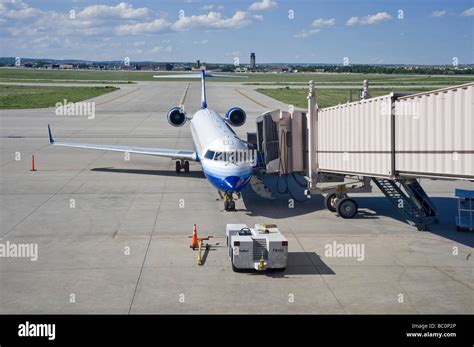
{"x":197,"y":75}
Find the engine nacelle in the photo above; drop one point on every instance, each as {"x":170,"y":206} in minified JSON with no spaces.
{"x":176,"y":117}
{"x":235,"y":116}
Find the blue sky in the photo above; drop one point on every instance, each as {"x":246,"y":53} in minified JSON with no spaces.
{"x":297,"y":31}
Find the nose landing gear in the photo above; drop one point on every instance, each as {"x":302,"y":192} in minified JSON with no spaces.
{"x":229,"y":203}
{"x":182,"y":165}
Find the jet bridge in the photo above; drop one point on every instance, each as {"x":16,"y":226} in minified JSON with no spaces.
{"x":391,"y":140}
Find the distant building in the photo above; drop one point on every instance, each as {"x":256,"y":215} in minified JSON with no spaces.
{"x":253,"y":64}
{"x":278,"y":69}
{"x":181,"y":68}
{"x":164,"y":67}
{"x":241,"y":69}
{"x":66,"y":66}
{"x":51,"y":66}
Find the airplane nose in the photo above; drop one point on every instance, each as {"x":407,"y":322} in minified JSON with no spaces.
{"x":231,"y":182}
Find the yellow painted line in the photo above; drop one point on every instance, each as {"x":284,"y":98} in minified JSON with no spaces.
{"x":248,"y":97}
{"x":118,"y":97}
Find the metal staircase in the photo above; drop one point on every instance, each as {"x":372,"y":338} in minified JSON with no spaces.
{"x":412,"y":202}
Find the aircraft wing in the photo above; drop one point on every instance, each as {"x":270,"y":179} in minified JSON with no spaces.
{"x":161,"y":152}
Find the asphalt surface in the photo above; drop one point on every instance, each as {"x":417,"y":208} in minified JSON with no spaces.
{"x":112,"y":234}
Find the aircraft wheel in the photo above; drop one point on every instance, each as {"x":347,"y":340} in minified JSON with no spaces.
{"x":346,"y":208}
{"x":229,"y":205}
{"x":330,"y":202}
{"x":178,"y":167}
{"x":186,"y":166}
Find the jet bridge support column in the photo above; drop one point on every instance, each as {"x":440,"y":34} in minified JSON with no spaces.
{"x":311,"y":141}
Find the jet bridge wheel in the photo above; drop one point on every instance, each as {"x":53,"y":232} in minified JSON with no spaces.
{"x":346,"y":208}
{"x":330,"y":202}
{"x":178,"y":166}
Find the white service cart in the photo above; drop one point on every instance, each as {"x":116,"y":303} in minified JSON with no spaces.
{"x":260,"y":248}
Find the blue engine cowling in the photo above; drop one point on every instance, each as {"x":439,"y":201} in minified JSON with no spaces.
{"x":176,"y":117}
{"x":235,"y":116}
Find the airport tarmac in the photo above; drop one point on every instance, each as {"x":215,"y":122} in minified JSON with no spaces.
{"x":112,"y":234}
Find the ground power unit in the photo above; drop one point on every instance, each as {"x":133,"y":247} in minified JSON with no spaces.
{"x":260,"y":248}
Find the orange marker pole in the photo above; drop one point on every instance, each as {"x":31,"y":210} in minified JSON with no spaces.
{"x":33,"y":162}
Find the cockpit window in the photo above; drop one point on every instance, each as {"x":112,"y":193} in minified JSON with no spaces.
{"x":210,"y":155}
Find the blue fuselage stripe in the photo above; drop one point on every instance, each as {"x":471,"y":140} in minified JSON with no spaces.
{"x":220,"y":183}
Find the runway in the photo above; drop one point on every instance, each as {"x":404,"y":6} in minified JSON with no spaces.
{"x":123,"y":247}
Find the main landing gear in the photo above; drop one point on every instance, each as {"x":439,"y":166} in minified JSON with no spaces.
{"x":182,"y":165}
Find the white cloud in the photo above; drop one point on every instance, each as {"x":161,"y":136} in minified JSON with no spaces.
{"x":315,"y":28}
{"x":162,"y":49}
{"x":155,"y":26}
{"x":16,"y":9}
{"x":370,"y":19}
{"x":212,"y":7}
{"x":438,"y":13}
{"x":215,"y":20}
{"x":202,"y":42}
{"x":303,"y":34}
{"x":353,"y":21}
{"x":322,"y":23}
{"x":263,"y":5}
{"x":100,"y":31}
{"x":232,"y":54}
{"x":469,"y":12}
{"x":122,"y":10}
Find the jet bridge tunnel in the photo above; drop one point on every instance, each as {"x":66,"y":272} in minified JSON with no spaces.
{"x":391,"y":140}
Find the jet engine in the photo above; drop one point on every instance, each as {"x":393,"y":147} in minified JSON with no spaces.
{"x":176,"y":117}
{"x":235,"y":116}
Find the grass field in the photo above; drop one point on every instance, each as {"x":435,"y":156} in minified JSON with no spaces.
{"x":325,"y":97}
{"x":40,"y":96}
{"x":26,"y":80}
{"x":79,"y":75}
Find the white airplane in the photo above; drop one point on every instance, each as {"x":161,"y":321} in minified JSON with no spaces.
{"x":226,"y":160}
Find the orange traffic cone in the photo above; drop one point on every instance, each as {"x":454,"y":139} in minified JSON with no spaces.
{"x":194,"y":239}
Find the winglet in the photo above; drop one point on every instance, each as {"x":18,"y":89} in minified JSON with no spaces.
{"x":51,"y":140}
